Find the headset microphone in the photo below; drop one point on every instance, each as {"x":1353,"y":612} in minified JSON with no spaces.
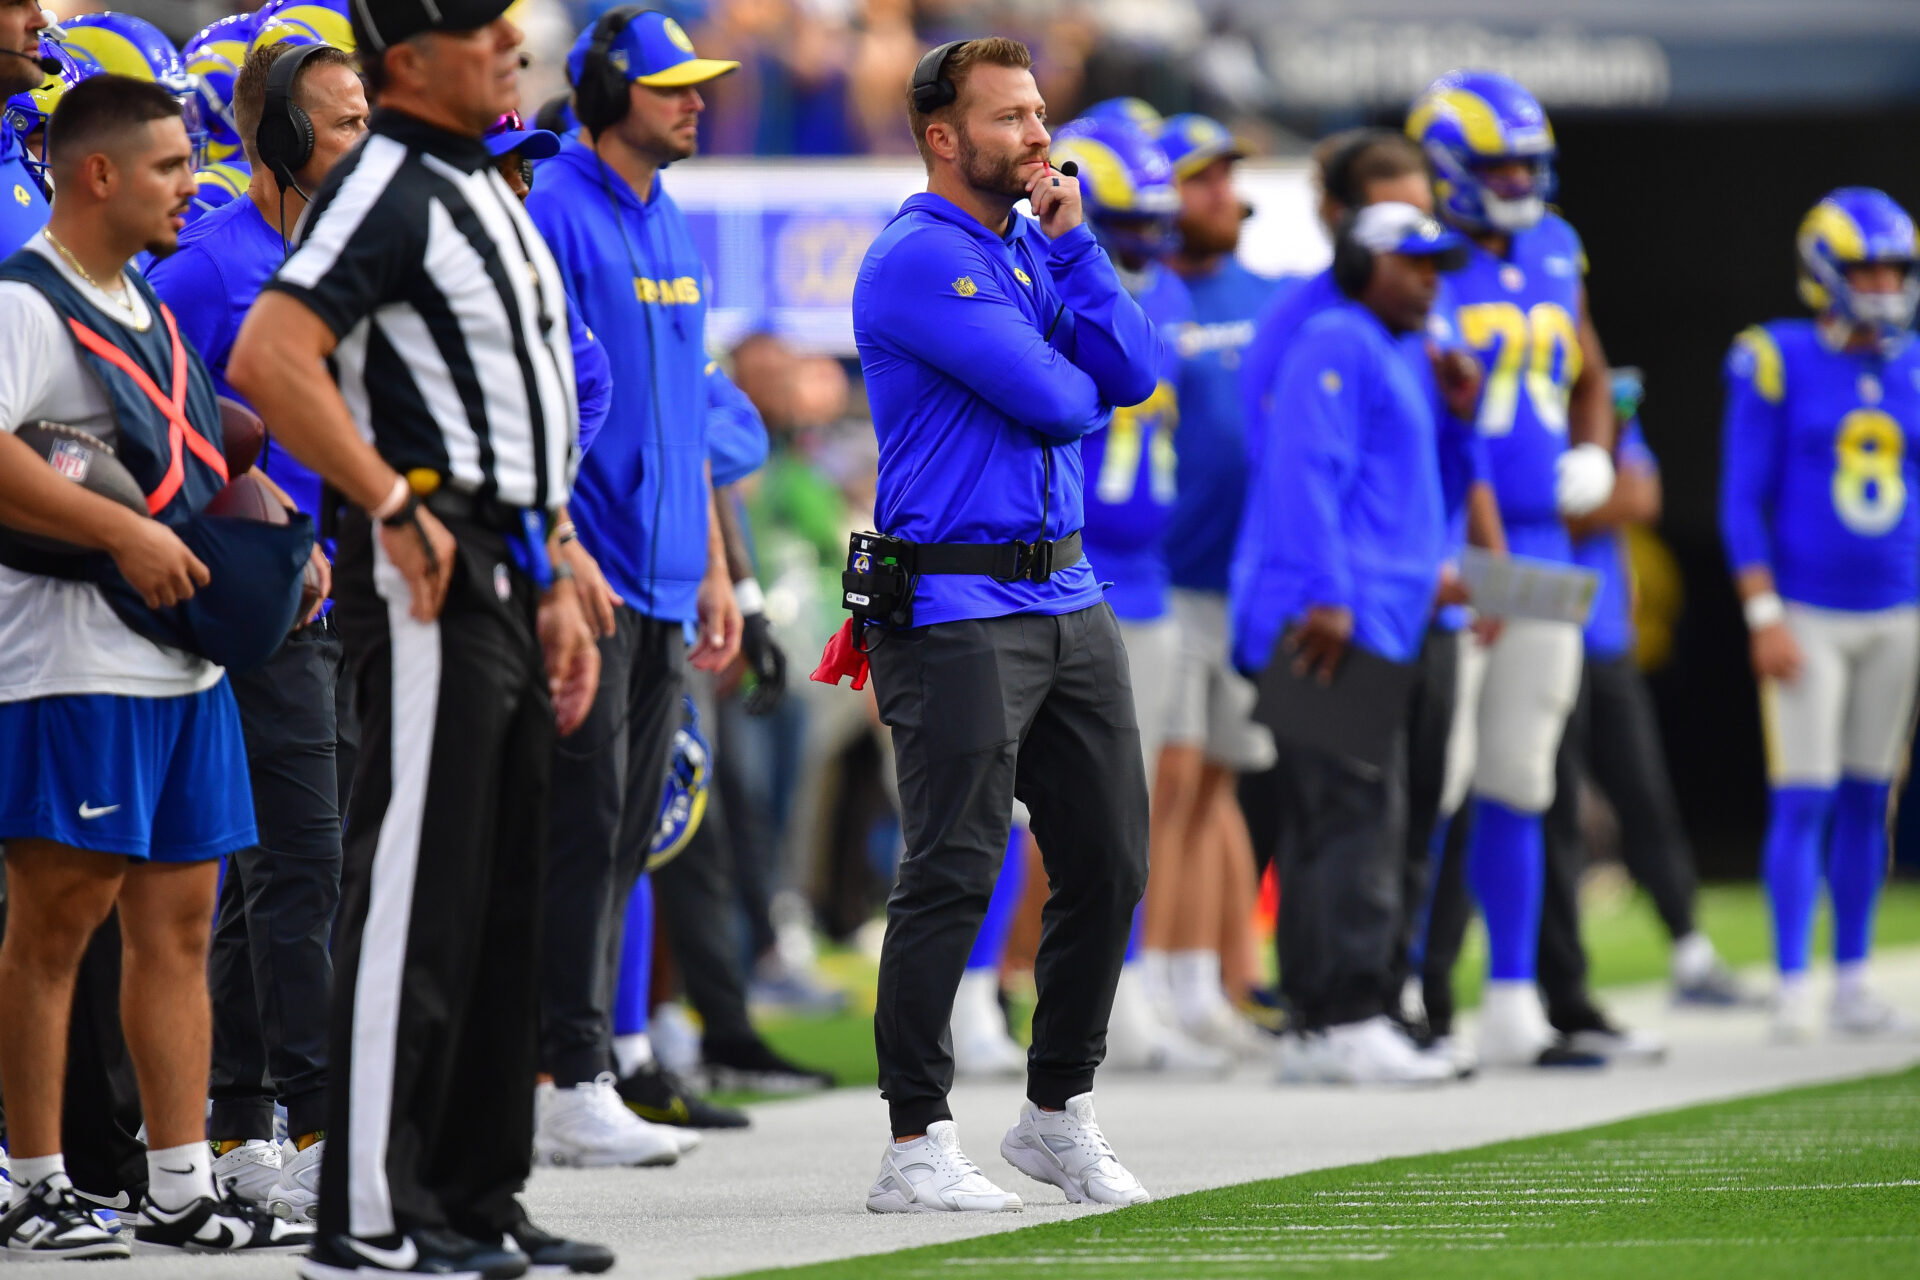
{"x":1069,"y":170}
{"x":49,"y":65}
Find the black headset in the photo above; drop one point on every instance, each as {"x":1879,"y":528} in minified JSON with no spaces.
{"x":1352,"y":261}
{"x":284,"y":137}
{"x":601,"y":98}
{"x":931,"y":89}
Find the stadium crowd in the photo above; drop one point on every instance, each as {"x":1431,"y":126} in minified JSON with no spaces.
{"x":404,"y":609}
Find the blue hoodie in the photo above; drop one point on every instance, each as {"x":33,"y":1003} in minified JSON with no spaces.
{"x":987,"y":357}
{"x":631,"y":267}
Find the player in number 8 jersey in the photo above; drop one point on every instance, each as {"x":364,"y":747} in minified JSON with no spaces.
{"x":1546,"y":415}
{"x":1822,"y":425}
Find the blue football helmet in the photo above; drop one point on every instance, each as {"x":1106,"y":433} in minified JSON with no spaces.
{"x":220,"y":184}
{"x":1192,"y":142}
{"x":1849,"y":228}
{"x":1469,"y":121}
{"x":26,"y":113}
{"x":214,"y":57}
{"x":124,"y":45}
{"x":327,"y":19}
{"x":683,"y":801}
{"x":1126,"y":183}
{"x":1134,"y":110}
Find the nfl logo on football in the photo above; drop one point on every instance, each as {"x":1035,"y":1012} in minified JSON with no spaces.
{"x":69,"y":458}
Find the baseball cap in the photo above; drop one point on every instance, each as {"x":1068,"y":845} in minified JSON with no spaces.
{"x":1394,"y":227}
{"x":403,"y":19}
{"x":651,"y":50}
{"x":509,"y":134}
{"x":1193,"y":141}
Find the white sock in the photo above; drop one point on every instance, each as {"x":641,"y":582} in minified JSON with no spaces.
{"x":1792,"y":984}
{"x":30,"y":1171}
{"x":1849,"y":980}
{"x":1155,"y":969}
{"x":976,"y":1003}
{"x":177,"y":1176}
{"x":1693,"y":957}
{"x":632,"y":1052}
{"x":1195,"y":979}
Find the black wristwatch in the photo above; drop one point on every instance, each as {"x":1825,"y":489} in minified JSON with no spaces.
{"x":405,"y":515}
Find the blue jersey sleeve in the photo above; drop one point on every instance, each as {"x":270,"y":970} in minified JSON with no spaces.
{"x":1751,"y":445}
{"x":592,"y":377}
{"x":736,"y":436}
{"x":1112,"y":339}
{"x":925,"y":301}
{"x":1313,"y":436}
{"x":189,"y":283}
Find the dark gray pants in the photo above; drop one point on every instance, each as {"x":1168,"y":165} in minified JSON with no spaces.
{"x":983,"y":711}
{"x":1614,"y":738}
{"x":607,"y":776}
{"x":1429,"y":726}
{"x":269,"y":971}
{"x":1340,"y":867}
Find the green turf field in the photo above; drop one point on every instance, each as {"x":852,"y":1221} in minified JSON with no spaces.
{"x":1624,"y":941}
{"x":1812,"y":1182}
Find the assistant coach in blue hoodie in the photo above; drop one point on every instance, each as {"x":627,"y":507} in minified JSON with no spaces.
{"x":991,"y":344}
{"x":643,"y":505}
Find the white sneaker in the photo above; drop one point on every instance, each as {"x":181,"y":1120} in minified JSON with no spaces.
{"x":297,"y":1195}
{"x":1138,"y":1041}
{"x":1456,"y":1053}
{"x":587,"y":1126}
{"x":1514,"y":1031}
{"x":981,"y":1046}
{"x":676,"y":1041}
{"x":1302,"y":1059}
{"x":1376,"y":1051}
{"x":1067,"y":1149}
{"x":1795,"y":1019}
{"x":933,"y":1175}
{"x":1218,"y":1024}
{"x":1857,"y":1011}
{"x":1620,"y":1044}
{"x":251,"y":1169}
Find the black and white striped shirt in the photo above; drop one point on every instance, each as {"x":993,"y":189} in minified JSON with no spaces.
{"x":453,"y":348}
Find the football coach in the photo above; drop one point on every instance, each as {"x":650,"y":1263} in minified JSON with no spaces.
{"x":991,"y":343}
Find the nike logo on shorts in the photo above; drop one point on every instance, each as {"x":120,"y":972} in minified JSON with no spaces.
{"x":87,"y":811}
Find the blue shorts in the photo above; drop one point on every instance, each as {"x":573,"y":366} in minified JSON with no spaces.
{"x":158,"y":778}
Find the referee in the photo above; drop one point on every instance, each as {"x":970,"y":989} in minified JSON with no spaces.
{"x":422,"y":284}
{"x":991,"y":344}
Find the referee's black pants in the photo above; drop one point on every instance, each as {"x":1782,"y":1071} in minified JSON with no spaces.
{"x":269,"y":971}
{"x":438,"y":940}
{"x":1612,"y":737}
{"x":607,"y":778}
{"x":983,"y":711}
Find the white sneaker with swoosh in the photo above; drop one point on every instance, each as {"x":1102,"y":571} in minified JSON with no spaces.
{"x":1067,"y":1149}
{"x":227,"y":1225}
{"x":933,"y":1175}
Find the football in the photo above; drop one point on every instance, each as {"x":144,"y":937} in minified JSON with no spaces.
{"x":246,"y":498}
{"x":242,"y":436}
{"x":86,"y":460}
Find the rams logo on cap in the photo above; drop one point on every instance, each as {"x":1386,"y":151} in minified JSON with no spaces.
{"x":618,"y":60}
{"x":675,"y":34}
{"x":965,"y":287}
{"x":1022,"y":277}
{"x":20,"y":195}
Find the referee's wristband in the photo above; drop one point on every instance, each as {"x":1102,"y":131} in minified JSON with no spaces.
{"x":396,"y":499}
{"x":748,"y":595}
{"x":1763,"y":610}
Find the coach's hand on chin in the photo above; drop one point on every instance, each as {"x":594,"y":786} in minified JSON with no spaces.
{"x":573,"y":657}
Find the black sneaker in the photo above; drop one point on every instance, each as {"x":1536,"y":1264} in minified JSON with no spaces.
{"x":548,"y":1254}
{"x":418,"y":1252}
{"x":752,"y":1066}
{"x":660,"y":1097}
{"x":50,"y":1223}
{"x":227,"y":1225}
{"x":1562,"y":1053}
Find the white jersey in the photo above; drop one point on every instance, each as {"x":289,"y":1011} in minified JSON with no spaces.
{"x":56,"y":636}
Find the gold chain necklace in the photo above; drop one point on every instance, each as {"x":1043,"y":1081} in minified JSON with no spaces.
{"x":122,"y":298}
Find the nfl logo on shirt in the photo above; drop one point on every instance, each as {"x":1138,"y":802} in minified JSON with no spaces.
{"x":69,"y":458}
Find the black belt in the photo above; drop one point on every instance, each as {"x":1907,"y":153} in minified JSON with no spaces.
{"x":488,"y":513}
{"x":1006,"y":561}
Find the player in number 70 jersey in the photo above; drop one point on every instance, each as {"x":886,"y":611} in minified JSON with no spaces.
{"x":1546,"y":416}
{"x":1822,"y":425}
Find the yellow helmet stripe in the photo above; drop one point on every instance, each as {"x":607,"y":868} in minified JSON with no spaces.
{"x":1476,"y":117}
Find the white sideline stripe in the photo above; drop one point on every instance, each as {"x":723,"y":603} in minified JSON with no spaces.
{"x":383,"y":941}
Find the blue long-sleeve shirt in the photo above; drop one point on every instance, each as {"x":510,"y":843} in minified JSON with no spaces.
{"x":631,"y":265}
{"x":736,"y":434}
{"x":1822,"y":467}
{"x":23,"y":206}
{"x":1346,"y":509}
{"x":987,"y":357}
{"x":1610,"y":630}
